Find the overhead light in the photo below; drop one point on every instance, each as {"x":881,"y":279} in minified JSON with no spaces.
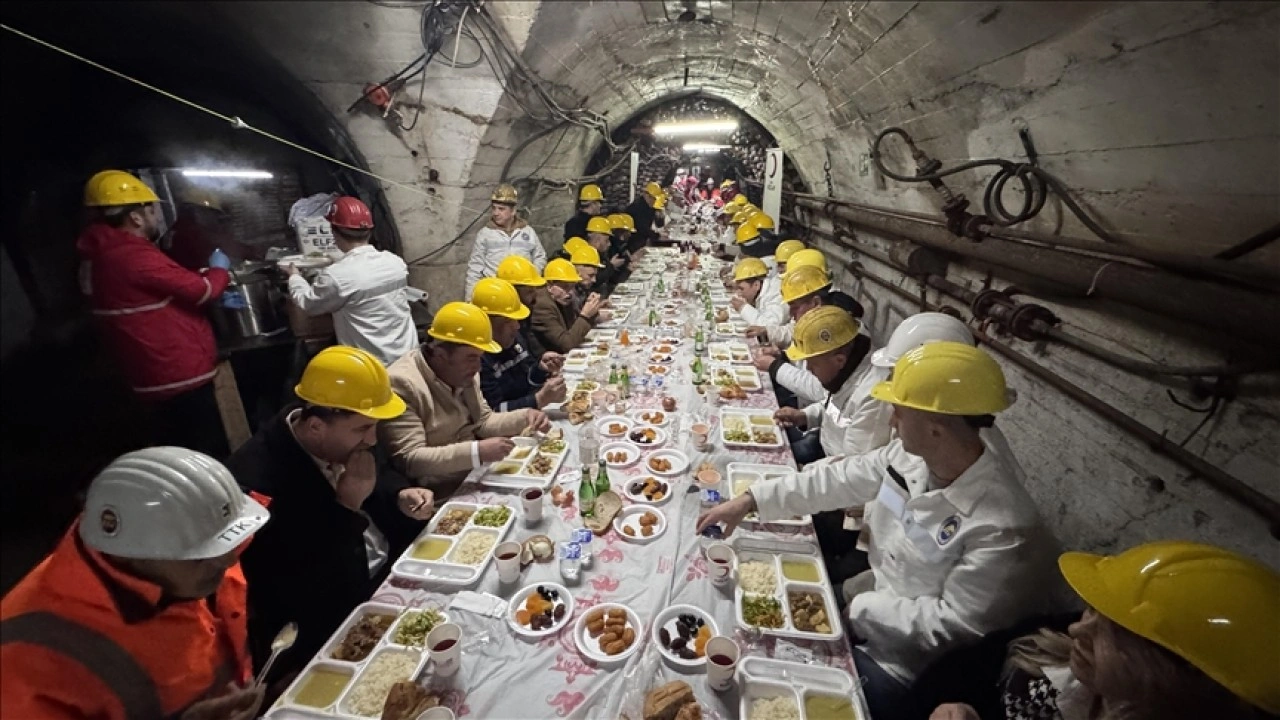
{"x":695,"y":127}
{"x":242,"y":174}
{"x":703,"y":147}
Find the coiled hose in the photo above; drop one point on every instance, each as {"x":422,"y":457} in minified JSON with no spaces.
{"x":1037,"y":183}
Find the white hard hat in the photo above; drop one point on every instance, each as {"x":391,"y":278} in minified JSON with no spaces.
{"x":918,"y":330}
{"x":168,"y":503}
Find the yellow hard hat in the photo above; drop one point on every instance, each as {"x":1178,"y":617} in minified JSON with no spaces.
{"x":749,"y":268}
{"x":590,"y":193}
{"x":465,"y":324}
{"x":786,"y":249}
{"x":517,"y":270}
{"x":498,"y":297}
{"x":806,"y":257}
{"x":586,"y":255}
{"x":117,"y":187}
{"x":505,"y":194}
{"x":746,"y":232}
{"x":762,"y":221}
{"x":655,"y":190}
{"x":574,"y":243}
{"x":805,"y":281}
{"x":351,"y":379}
{"x":740,"y":217}
{"x":623,"y":221}
{"x":948,"y":378}
{"x":729,"y":209}
{"x":561,"y":270}
{"x":821,"y":331}
{"x":660,"y":202}
{"x":599,"y":225}
{"x":1213,"y":608}
{"x":738,"y":200}
{"x":201,"y":197}
{"x":726,"y":183}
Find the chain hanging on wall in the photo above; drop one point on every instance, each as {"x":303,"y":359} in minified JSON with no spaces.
{"x":826,"y":173}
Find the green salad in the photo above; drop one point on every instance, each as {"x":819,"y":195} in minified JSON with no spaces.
{"x":492,"y":516}
{"x":415,"y":626}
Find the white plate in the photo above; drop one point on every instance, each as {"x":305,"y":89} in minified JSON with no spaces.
{"x":659,"y":436}
{"x":603,"y":426}
{"x":517,"y":603}
{"x":590,"y":647}
{"x":630,"y":517}
{"x":668,"y":340}
{"x":679,"y":463}
{"x":658,"y":358}
{"x":639,"y":497}
{"x":633,"y":453}
{"x":667,"y":619}
{"x":647,"y":417}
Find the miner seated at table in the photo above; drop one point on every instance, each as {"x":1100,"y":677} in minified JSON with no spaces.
{"x":448,"y":429}
{"x":339,"y":517}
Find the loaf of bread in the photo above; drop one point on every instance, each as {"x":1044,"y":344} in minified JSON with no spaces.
{"x":665,"y":702}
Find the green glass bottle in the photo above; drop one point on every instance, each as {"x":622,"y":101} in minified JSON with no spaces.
{"x":698,"y":378}
{"x":653,"y":317}
{"x":624,"y":382}
{"x":602,"y":480}
{"x":699,"y":341}
{"x":613,"y":374}
{"x":587,"y":493}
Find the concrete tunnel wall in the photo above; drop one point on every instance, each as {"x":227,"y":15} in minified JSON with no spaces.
{"x":1161,"y":117}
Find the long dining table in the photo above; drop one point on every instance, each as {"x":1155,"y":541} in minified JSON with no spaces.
{"x":504,"y":675}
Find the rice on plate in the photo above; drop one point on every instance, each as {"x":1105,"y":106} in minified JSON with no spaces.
{"x":757,"y":577}
{"x":473,"y":548}
{"x":370,"y":692}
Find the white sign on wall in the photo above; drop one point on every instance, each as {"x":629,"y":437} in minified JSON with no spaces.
{"x":635,"y":175}
{"x":772,"y":203}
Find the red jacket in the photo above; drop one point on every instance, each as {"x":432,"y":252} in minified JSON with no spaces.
{"x":151,"y":311}
{"x":80,"y":638}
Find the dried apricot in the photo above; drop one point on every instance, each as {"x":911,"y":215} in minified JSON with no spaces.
{"x":522,"y":617}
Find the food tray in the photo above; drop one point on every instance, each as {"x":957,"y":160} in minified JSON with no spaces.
{"x":733,"y":418}
{"x":515,"y":473}
{"x":754,"y":474}
{"x":619,"y":318}
{"x":784,"y":588}
{"x":288,"y":709}
{"x":746,"y":377}
{"x":765,"y":677}
{"x":590,"y":647}
{"x":599,"y":335}
{"x":667,"y":620}
{"x":444,"y":570}
{"x":734,"y":351}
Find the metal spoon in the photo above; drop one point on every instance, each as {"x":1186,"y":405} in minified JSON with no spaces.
{"x":283,"y":641}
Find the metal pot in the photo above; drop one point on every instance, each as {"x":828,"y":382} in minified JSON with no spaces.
{"x":250,"y":307}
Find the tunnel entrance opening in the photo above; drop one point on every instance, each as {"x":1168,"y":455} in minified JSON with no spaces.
{"x":713,"y":141}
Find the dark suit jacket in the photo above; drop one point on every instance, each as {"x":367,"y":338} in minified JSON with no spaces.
{"x":557,"y":328}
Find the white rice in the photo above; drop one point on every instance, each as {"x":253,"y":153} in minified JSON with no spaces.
{"x":370,"y":692}
{"x":473,"y":548}
{"x":757,"y":577}
{"x":778,"y":708}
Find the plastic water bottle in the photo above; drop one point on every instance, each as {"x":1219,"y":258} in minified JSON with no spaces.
{"x":588,"y":444}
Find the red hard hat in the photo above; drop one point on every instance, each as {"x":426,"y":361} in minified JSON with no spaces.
{"x":350,"y":213}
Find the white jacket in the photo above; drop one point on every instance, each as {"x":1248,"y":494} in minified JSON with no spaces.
{"x":797,"y":378}
{"x":947,"y":566}
{"x":493,"y":245}
{"x":769,"y":308}
{"x":852,"y":421}
{"x":368,"y":293}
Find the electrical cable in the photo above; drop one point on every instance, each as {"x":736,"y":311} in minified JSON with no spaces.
{"x":1036,"y":185}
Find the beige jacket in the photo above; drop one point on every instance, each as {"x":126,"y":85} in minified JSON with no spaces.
{"x":558,"y":328}
{"x":433,"y":441}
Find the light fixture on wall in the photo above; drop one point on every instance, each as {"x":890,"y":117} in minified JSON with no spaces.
{"x":695,"y":127}
{"x":239,"y":174}
{"x":697,"y":147}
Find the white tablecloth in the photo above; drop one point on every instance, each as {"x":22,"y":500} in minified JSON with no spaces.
{"x":505,"y":676}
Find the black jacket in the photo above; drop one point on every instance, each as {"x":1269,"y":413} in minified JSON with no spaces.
{"x":645,"y":220}
{"x":577,"y":226}
{"x":308,"y":564}
{"x":510,"y":378}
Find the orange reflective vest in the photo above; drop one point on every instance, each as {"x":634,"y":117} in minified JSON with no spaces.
{"x":82,"y":639}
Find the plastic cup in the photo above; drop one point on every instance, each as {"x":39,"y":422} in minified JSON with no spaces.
{"x":507,"y":556}
{"x":701,"y":435}
{"x":533,"y":500}
{"x":720,"y":557}
{"x":722,"y":662}
{"x":444,"y":647}
{"x":438,"y":712}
